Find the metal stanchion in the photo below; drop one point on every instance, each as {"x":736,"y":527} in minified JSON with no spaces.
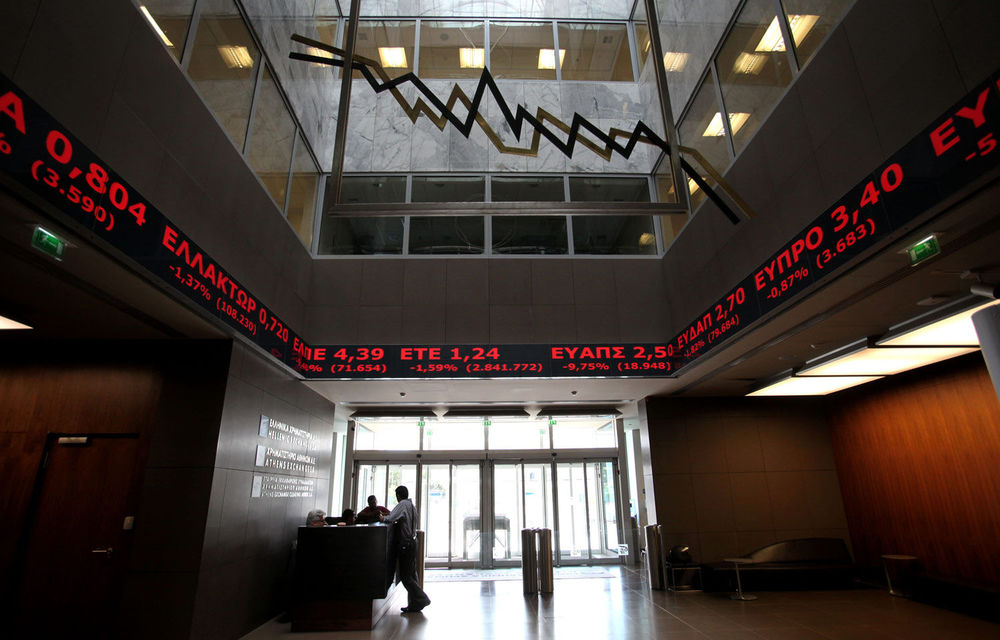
{"x":654,"y":556}
{"x":529,"y":561}
{"x":545,"y":577}
{"x":420,"y":558}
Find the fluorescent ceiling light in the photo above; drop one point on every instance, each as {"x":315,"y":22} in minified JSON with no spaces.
{"x":7,"y":323}
{"x":237,"y":57}
{"x":817,"y":386}
{"x":692,"y":186}
{"x":392,"y":57}
{"x":647,"y":239}
{"x":156,"y":27}
{"x":750,"y":64}
{"x":953,"y":330}
{"x":736,"y":122}
{"x":547,"y":58}
{"x":772,"y":40}
{"x":674,"y":61}
{"x":885,"y":361}
{"x":801,"y":25}
{"x":471,"y":58}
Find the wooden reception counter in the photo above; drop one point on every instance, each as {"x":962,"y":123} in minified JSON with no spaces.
{"x":343,"y":577}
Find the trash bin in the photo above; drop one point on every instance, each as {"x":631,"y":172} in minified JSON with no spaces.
{"x":654,"y":556}
{"x":529,"y":561}
{"x":545,"y":560}
{"x":420,"y":558}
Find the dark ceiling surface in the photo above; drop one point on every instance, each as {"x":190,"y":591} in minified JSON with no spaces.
{"x":92,"y":294}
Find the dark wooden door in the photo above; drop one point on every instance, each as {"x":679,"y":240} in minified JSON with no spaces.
{"x":75,"y":544}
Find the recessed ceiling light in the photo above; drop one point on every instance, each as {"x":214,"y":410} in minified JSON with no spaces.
{"x":815,"y":386}
{"x":675,"y":61}
{"x":156,"y":27}
{"x":736,"y":122}
{"x":547,"y":58}
{"x":392,"y":57}
{"x":8,"y":324}
{"x":885,"y":361}
{"x":472,"y":57}
{"x":236,"y":57}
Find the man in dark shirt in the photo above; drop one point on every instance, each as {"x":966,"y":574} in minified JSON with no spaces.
{"x":405,"y":514}
{"x":372,"y":512}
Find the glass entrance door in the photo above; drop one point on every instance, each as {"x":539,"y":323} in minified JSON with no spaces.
{"x":588,"y":512}
{"x":450,"y":513}
{"x":522,"y":498}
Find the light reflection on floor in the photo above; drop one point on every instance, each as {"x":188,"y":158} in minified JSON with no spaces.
{"x":622,"y":607}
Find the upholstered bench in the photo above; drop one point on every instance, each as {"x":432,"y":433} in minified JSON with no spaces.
{"x":803,"y":563}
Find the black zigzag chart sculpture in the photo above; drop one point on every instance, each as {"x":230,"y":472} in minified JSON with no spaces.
{"x":369,"y":69}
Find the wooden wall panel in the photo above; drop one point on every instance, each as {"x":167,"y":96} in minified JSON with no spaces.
{"x":918,"y":456}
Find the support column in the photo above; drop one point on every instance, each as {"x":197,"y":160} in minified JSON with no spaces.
{"x":987,"y":323}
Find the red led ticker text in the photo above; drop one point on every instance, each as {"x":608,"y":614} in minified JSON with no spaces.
{"x":945,"y":137}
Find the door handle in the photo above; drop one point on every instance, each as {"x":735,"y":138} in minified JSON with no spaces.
{"x":107,"y":552}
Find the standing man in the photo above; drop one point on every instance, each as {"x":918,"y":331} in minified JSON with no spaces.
{"x":406,"y":515}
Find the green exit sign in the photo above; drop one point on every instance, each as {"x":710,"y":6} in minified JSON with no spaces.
{"x":923,"y":250}
{"x":48,"y":242}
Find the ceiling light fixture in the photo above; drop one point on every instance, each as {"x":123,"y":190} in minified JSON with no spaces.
{"x":772,"y":40}
{"x":750,"y":64}
{"x":156,"y":27}
{"x":236,"y":57}
{"x":547,"y":58}
{"x":800,"y":26}
{"x":675,"y":61}
{"x":392,"y":57}
{"x":956,"y":330}
{"x":736,"y":122}
{"x":814,"y":386}
{"x":8,"y":324}
{"x":471,"y":58}
{"x":884,"y":361}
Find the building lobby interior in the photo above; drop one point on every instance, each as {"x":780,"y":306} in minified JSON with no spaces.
{"x":706,"y":292}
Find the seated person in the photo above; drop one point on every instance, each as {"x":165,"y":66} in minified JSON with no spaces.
{"x":316,"y":518}
{"x":371,"y":513}
{"x":346,"y":518}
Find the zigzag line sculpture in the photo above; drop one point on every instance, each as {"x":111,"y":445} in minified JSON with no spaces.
{"x":641,"y":132}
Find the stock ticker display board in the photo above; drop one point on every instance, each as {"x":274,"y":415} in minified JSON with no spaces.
{"x":40,"y":155}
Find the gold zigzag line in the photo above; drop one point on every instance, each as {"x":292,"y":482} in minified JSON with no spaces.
{"x":458,"y":95}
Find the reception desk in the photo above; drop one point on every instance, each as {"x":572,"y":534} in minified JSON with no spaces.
{"x":344,"y":577}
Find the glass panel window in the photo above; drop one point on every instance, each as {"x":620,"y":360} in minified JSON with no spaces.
{"x":527,"y":189}
{"x":371,"y":482}
{"x":530,"y":235}
{"x":516,"y":50}
{"x":302,"y":199}
{"x":269,"y":153}
{"x":387,"y":435}
{"x":614,"y":235}
{"x":583,"y":433}
{"x":602,"y":511}
{"x":573,"y":538}
{"x":169,"y":19}
{"x":451,"y":50}
{"x":594,"y":52}
{"x":608,"y":189}
{"x":390,"y":43}
{"x":453,"y":435}
{"x":466,"y":529}
{"x":753,"y":69}
{"x":519,"y":434}
{"x":372,"y":189}
{"x":342,"y":236}
{"x":448,"y":189}
{"x":447,"y":234}
{"x":702,"y":130}
{"x":809,"y":21}
{"x":223,"y":66}
{"x":435,"y":510}
{"x":404,"y":475}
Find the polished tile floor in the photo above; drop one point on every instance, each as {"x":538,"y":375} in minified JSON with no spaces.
{"x":623,"y":607}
